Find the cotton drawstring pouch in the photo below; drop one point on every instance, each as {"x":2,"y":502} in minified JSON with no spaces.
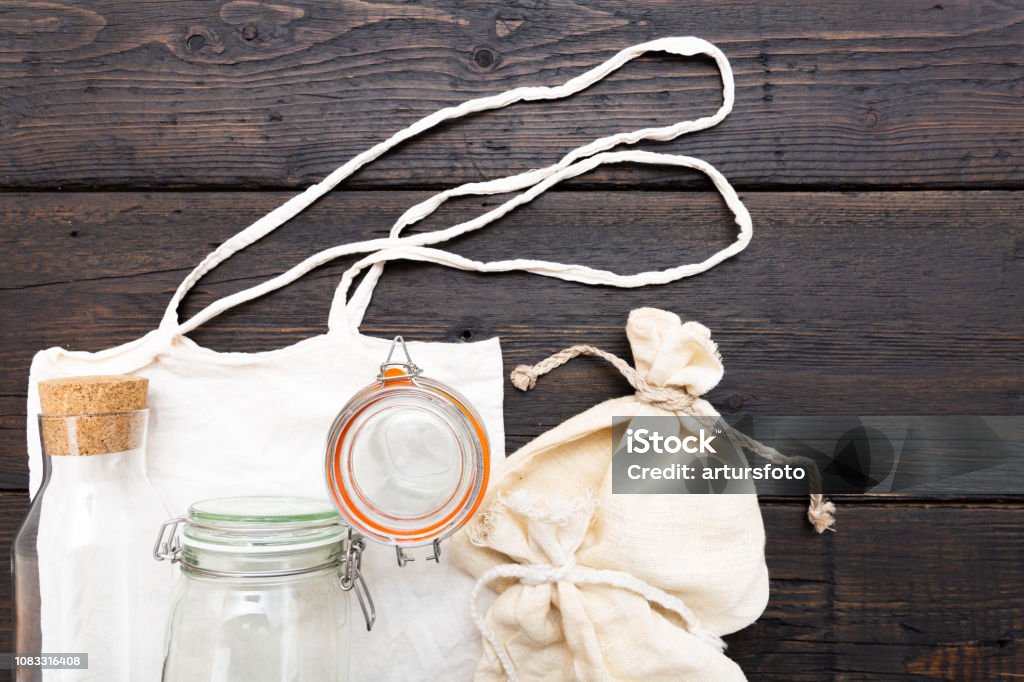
{"x":227,"y":423}
{"x":598,"y":586}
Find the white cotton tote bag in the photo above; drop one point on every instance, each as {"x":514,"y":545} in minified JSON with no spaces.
{"x":256,"y":423}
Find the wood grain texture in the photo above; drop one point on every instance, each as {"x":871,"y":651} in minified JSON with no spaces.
{"x":896,"y":594}
{"x":903,"y":591}
{"x":902,"y":303}
{"x":914,"y":93}
{"x":13,"y":508}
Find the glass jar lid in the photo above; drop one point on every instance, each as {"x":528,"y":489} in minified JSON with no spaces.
{"x":407,"y":458}
{"x":262,"y":524}
{"x":258,"y":538}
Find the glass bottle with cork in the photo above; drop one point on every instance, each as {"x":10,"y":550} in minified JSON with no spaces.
{"x":95,"y":507}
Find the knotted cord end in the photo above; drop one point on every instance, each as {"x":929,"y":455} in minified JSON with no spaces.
{"x":822,"y":514}
{"x":523,"y":377}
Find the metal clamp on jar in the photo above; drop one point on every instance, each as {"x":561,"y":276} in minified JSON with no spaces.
{"x":262,"y":590}
{"x":408,"y":459}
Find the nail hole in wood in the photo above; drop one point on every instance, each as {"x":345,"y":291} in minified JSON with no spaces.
{"x":484,"y":58}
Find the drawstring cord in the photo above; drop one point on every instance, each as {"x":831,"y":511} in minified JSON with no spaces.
{"x":524,"y":377}
{"x":820,"y":511}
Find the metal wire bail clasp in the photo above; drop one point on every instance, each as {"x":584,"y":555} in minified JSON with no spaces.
{"x":410,"y":368}
{"x":352,"y":578}
{"x":404,"y":559}
{"x":168,"y":540}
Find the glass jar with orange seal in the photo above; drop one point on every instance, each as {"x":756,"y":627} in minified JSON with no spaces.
{"x":408,"y":459}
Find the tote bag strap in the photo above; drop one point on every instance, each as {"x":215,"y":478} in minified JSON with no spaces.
{"x":406,"y":250}
{"x":414,"y":247}
{"x":361,"y":299}
{"x":683,"y":46}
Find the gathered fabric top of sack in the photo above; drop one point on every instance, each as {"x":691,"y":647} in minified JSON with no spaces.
{"x":572,"y":563}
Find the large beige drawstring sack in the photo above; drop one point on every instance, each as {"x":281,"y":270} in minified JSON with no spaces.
{"x":594,"y":586}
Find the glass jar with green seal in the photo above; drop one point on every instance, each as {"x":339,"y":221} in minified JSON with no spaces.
{"x":263,"y":591}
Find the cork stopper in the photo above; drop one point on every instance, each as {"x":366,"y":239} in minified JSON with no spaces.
{"x":92,"y":415}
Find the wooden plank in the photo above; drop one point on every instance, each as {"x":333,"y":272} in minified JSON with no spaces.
{"x":111,"y":94}
{"x":902,"y":592}
{"x":13,"y":507}
{"x":901,"y":303}
{"x":945,"y":603}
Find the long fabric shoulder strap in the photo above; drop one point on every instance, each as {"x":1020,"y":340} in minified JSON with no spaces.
{"x":534,"y":182}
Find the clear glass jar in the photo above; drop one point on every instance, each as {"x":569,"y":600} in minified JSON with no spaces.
{"x":408,"y":459}
{"x":262,"y":594}
{"x":95,"y":508}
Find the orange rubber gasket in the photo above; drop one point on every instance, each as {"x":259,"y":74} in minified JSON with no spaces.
{"x":419,"y":533}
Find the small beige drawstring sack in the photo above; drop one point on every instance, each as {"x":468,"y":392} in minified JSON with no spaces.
{"x":595,"y":586}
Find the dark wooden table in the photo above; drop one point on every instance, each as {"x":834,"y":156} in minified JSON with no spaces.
{"x":879,"y":147}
